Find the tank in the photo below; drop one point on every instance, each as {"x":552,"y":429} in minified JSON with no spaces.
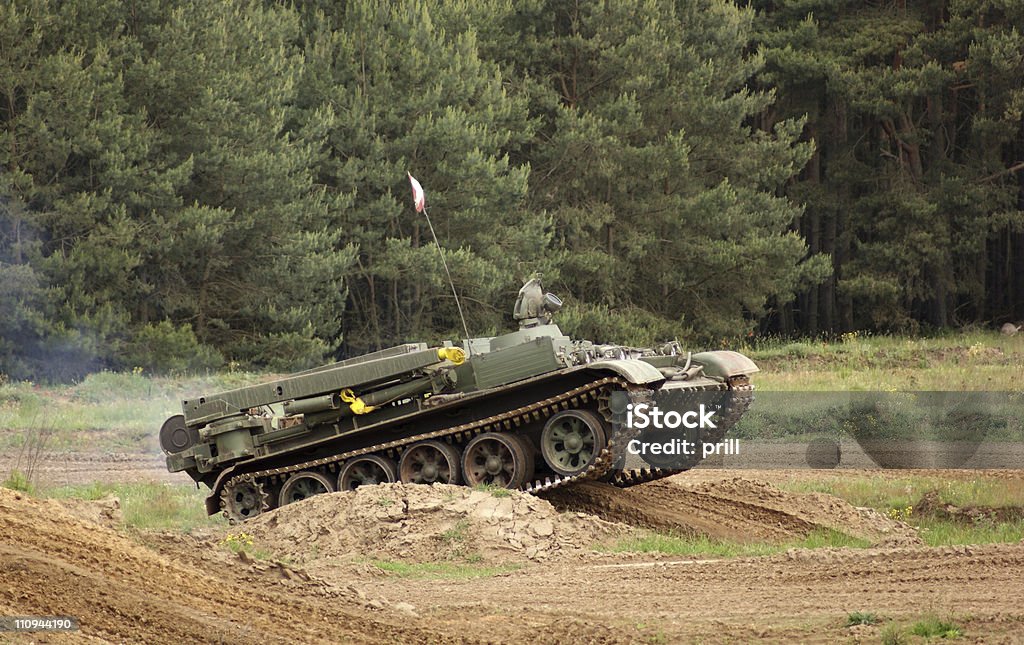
{"x":531,"y":410}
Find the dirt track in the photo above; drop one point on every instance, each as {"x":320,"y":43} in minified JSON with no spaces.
{"x":166,"y":587}
{"x":803,"y":596}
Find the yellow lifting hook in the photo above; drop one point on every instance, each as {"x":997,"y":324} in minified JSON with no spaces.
{"x":357,"y":405}
{"x":453,"y":354}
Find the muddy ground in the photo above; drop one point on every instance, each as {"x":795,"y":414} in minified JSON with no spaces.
{"x":316,"y":575}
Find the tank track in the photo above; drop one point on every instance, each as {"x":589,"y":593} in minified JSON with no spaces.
{"x":598,"y":469}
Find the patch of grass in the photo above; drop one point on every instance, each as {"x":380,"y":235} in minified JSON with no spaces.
{"x":18,"y":481}
{"x":242,"y":542}
{"x":699,"y":545}
{"x":893,"y":635}
{"x":457,"y":533}
{"x":495,"y":491}
{"x":822,"y":538}
{"x":894,"y":496}
{"x":982,"y":360}
{"x":862,"y":618}
{"x":455,"y":538}
{"x":937,"y":532}
{"x":442,"y":570}
{"x":107,"y":411}
{"x":148,"y":505}
{"x":927,"y":627}
{"x":934,"y":627}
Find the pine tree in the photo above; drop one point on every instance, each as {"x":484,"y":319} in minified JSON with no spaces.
{"x":915,"y":111}
{"x":407,"y":95}
{"x":663,"y":195}
{"x":158,"y":182}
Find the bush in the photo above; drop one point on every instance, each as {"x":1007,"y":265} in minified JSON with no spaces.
{"x":284,"y":352}
{"x":164,"y":348}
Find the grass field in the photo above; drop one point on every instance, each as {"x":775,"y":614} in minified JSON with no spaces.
{"x":107,"y":411}
{"x":968,"y":361}
{"x":149,"y":506}
{"x":122,"y":412}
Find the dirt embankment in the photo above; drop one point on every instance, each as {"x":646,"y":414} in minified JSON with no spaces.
{"x":52,"y":563}
{"x":732,"y":509}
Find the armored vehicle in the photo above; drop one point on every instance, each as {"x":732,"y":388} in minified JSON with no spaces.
{"x":531,"y":410}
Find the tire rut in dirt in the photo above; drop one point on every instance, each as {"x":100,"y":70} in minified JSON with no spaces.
{"x":664,"y":507}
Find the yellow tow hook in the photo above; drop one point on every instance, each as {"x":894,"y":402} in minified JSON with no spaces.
{"x":357,"y":405}
{"x":453,"y":354}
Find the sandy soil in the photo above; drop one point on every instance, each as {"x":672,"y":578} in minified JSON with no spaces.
{"x":319,"y":585}
{"x":121,"y":590}
{"x":802,"y":596}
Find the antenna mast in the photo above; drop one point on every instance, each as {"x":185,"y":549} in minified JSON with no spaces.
{"x":419,"y":201}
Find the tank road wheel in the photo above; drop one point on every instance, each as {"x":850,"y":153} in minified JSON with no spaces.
{"x":571,"y":440}
{"x":243,"y":500}
{"x":497,"y":459}
{"x":365,"y":471}
{"x":430,"y":462}
{"x":302,"y":485}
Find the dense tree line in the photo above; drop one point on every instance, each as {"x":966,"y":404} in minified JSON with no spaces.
{"x":187,"y":183}
{"x":915,"y":186}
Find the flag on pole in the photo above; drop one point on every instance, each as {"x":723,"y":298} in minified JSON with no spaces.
{"x":419,"y":200}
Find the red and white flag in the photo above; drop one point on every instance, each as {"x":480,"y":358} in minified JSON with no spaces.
{"x":419,"y":200}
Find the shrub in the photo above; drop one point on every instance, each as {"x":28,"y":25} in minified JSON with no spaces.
{"x":164,"y":348}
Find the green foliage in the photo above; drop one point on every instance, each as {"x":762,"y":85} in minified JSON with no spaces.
{"x":495,"y":491}
{"x":184,"y":184}
{"x":893,"y":635}
{"x":935,"y":627}
{"x":409,"y":95}
{"x":153,"y":196}
{"x":862,"y":618}
{"x":663,"y":198}
{"x":17,"y":480}
{"x":162,"y":347}
{"x":914,"y":109}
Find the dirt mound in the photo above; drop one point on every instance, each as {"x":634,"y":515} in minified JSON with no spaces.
{"x":931,"y":504}
{"x":734,"y":509}
{"x":105,"y":511}
{"x":416,"y":523}
{"x":52,"y":563}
